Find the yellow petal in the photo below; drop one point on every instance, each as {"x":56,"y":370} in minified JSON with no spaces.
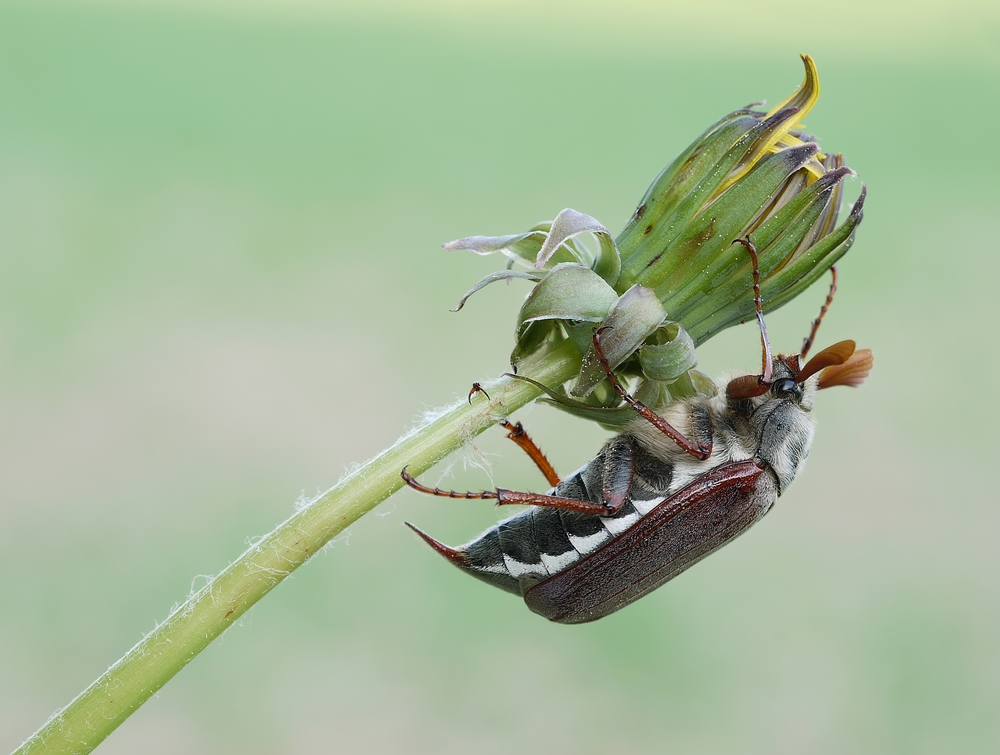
{"x":806,"y":95}
{"x":803,"y":98}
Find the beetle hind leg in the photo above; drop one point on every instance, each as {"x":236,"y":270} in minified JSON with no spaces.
{"x":513,"y":497}
{"x":484,"y":495}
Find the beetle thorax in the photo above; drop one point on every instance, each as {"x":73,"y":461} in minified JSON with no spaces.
{"x":775,"y":429}
{"x":780,"y":423}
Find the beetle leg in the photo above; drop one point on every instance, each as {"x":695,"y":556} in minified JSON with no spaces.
{"x":518,"y":434}
{"x":513,"y":497}
{"x":767,"y":365}
{"x":700,"y":451}
{"x":807,"y":344}
{"x":477,"y":388}
{"x":616,"y":477}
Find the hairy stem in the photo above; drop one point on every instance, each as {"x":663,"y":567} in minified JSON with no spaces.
{"x":106,"y":703}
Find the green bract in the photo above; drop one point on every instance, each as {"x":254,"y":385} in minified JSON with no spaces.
{"x":672,"y":278}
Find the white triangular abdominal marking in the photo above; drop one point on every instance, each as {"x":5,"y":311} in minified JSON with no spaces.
{"x":589,"y":543}
{"x":618,"y":524}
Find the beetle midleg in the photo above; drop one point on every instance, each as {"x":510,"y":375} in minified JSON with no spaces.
{"x":617,"y":474}
{"x":519,"y":435}
{"x":512,"y":497}
{"x":700,"y":451}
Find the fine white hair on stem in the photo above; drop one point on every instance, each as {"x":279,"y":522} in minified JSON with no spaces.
{"x":391,"y":509}
{"x":430,"y":414}
{"x":303,"y":501}
{"x":443,"y":471}
{"x":198,"y":583}
{"x":349,"y":469}
{"x":344,"y":537}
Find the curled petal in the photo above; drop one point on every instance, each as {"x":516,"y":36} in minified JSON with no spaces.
{"x":570,"y":223}
{"x":522,"y":246}
{"x":802,"y":99}
{"x":568,"y":292}
{"x":670,"y":354}
{"x":806,"y":95}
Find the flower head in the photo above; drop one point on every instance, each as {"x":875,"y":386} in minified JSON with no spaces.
{"x":672,"y":279}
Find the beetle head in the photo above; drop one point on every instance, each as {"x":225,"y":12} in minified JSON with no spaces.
{"x":785,"y":376}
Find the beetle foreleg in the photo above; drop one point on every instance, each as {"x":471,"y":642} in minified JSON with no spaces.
{"x":700,"y":451}
{"x":766,"y":376}
{"x":518,"y":434}
{"x":477,"y":388}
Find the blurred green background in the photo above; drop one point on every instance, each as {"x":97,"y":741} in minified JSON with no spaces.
{"x":221,"y":285}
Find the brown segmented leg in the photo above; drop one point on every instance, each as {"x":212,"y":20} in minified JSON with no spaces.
{"x":513,"y":497}
{"x":807,"y":344}
{"x":767,"y":366}
{"x":477,"y":388}
{"x":698,"y":451}
{"x":519,"y":435}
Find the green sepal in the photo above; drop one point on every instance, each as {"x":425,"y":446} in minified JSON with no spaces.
{"x":570,"y":223}
{"x":693,"y":383}
{"x":729,"y":277}
{"x":653,"y":393}
{"x":634,"y":317}
{"x":493,"y":278}
{"x":654,"y":258}
{"x":534,"y":335}
{"x":709,"y":234}
{"x":785,"y":284}
{"x":521,"y":247}
{"x":679,"y":178}
{"x":808,"y":265}
{"x":613,"y":418}
{"x":667,"y":354}
{"x":581,"y":334}
{"x":569,"y":292}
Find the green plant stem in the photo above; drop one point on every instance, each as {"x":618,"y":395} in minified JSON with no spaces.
{"x":106,"y":703}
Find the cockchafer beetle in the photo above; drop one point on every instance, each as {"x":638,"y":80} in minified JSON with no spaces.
{"x":677,"y":485}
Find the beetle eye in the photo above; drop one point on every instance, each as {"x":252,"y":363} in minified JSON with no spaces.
{"x":786,"y":387}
